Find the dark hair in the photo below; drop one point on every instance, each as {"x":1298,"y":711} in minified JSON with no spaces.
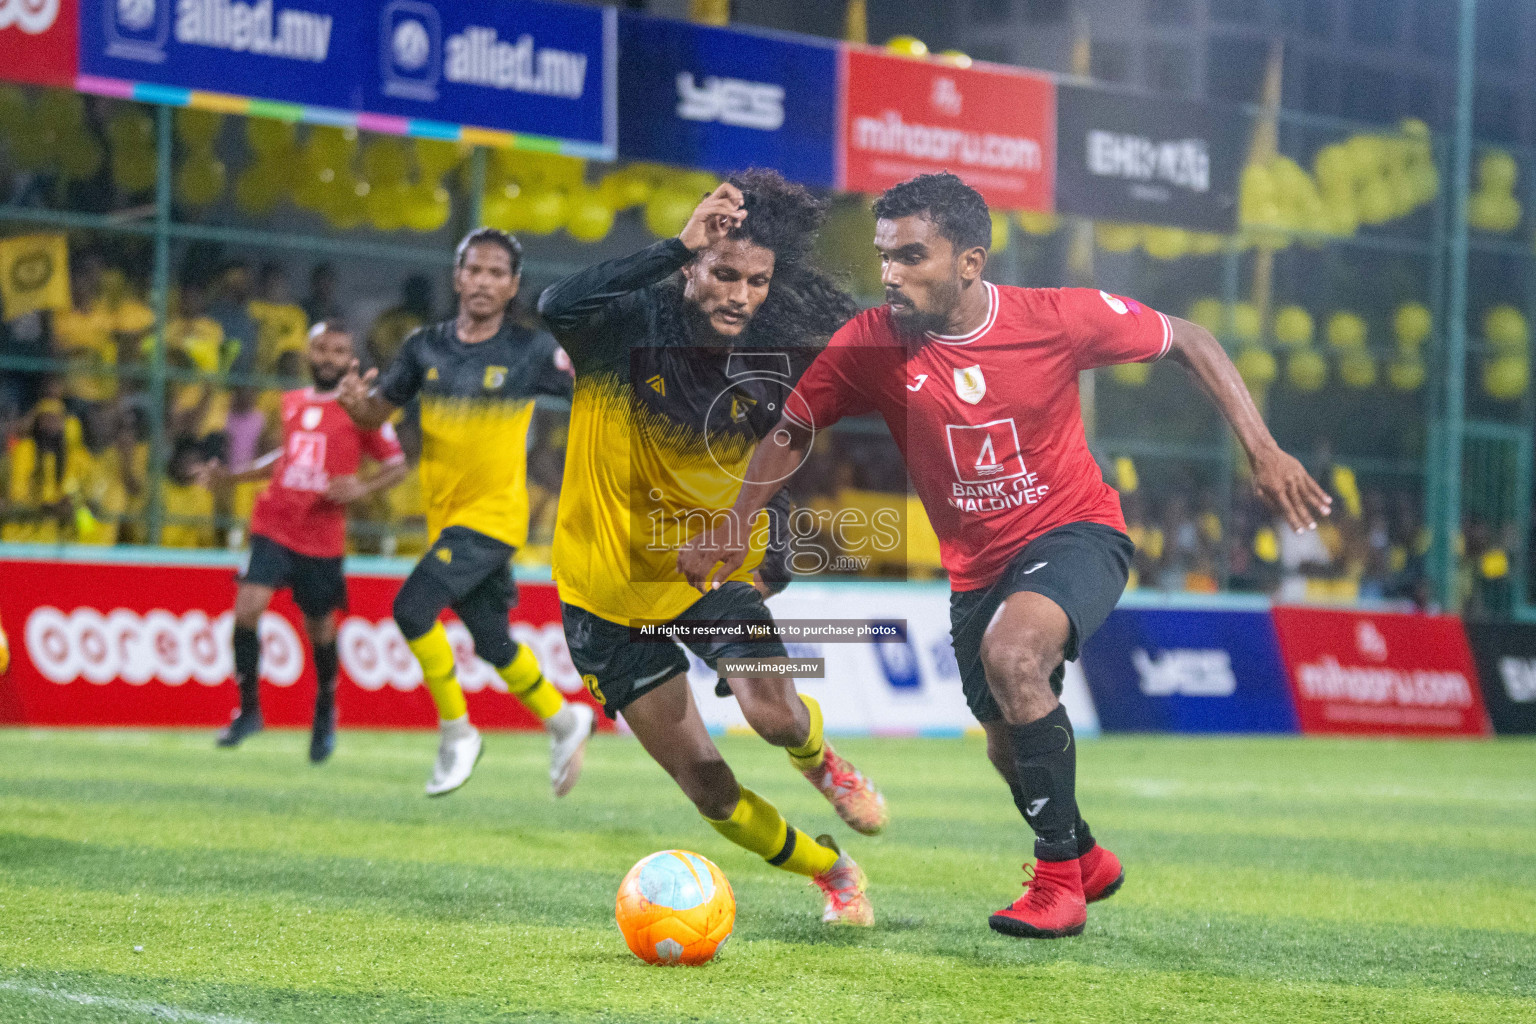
{"x":956,"y":209}
{"x":490,"y":236}
{"x":804,"y":306}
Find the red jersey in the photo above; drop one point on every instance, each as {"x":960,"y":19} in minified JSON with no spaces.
{"x":320,"y":442}
{"x":989,"y":422}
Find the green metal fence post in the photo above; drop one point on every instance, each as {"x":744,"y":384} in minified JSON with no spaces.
{"x":159,"y":451}
{"x":476,"y":186}
{"x":1447,"y":518}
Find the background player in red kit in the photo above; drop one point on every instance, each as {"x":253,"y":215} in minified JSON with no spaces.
{"x":299,"y":527}
{"x":978,"y":385}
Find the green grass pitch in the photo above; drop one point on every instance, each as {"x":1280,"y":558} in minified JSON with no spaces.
{"x":148,"y":877}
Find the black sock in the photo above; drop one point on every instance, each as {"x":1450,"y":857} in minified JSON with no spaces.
{"x":247,"y":669}
{"x":325,"y":669}
{"x":1085,"y":840}
{"x":1045,"y":757}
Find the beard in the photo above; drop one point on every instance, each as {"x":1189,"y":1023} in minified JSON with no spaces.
{"x":916,"y":321}
{"x":325,"y":380}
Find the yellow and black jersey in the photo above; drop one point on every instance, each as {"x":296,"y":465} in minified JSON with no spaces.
{"x":661,"y":432}
{"x":476,"y":403}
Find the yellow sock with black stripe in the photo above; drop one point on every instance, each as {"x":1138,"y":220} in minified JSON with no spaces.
{"x":435,"y":654}
{"x":808,"y":756}
{"x":758,"y":826}
{"x":526,"y":682}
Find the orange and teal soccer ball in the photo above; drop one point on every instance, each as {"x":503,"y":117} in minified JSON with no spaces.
{"x":675,"y":907}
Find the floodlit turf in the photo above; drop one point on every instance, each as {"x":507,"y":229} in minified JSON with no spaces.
{"x":1294,"y":880}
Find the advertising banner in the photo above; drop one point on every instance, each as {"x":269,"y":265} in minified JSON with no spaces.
{"x":910,"y":688}
{"x":1182,"y":670}
{"x":415,"y":67}
{"x":995,"y":127}
{"x":113,"y":644}
{"x":545,"y":69}
{"x":1123,"y":157}
{"x":1380,"y":673}
{"x":1506,"y":663}
{"x":149,"y":645}
{"x":39,"y":41}
{"x":723,"y":100}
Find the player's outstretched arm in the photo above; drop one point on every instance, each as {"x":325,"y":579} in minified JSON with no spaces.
{"x":1279,"y":478}
{"x":361,"y":400}
{"x":709,"y":558}
{"x":344,"y":490}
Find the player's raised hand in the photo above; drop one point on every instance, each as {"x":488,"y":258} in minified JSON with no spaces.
{"x":344,"y":490}
{"x":714,"y":218}
{"x":1288,"y":489}
{"x":352,"y":391}
{"x":708,"y":559}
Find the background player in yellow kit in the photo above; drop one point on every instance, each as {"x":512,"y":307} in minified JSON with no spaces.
{"x":476,"y":376}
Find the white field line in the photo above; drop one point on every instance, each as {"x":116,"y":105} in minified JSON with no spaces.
{"x":140,"y":1007}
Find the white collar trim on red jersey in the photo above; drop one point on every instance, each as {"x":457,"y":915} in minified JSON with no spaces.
{"x":311,"y":395}
{"x":986,"y":325}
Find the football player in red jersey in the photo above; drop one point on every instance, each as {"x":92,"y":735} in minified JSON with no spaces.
{"x":299,"y":527}
{"x":978,"y":385}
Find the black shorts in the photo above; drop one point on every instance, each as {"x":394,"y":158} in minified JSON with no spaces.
{"x":617,"y":669}
{"x":1083,"y":567}
{"x":318,"y":584}
{"x":466,"y":562}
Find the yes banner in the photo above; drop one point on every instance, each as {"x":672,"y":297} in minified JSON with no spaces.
{"x":1187,"y":670}
{"x":723,"y":100}
{"x":995,"y":127}
{"x":1506,"y":661}
{"x":520,"y":66}
{"x":1375,"y":672}
{"x":1162,"y":160}
{"x":39,"y":41}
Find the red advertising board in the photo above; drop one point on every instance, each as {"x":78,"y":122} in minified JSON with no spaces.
{"x":149,"y":645}
{"x":1362,"y":673}
{"x":39,"y":41}
{"x":993,"y":126}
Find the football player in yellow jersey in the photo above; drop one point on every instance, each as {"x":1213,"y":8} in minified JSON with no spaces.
{"x":684,"y":353}
{"x":476,"y":375}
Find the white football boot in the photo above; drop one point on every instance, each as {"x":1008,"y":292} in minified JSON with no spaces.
{"x":568,"y":746}
{"x":457,"y":754}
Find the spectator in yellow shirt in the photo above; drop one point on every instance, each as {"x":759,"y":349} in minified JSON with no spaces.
{"x":396,"y":323}
{"x":85,"y":335}
{"x":188,"y":507}
{"x":281,"y":325}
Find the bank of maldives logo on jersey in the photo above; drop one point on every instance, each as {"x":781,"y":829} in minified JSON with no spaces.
{"x":34,"y":17}
{"x":415,"y":57}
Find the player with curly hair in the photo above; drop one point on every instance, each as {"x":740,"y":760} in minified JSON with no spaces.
{"x":684,"y":353}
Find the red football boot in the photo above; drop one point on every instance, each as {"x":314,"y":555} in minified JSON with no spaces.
{"x":1102,"y":874}
{"x":1052,"y":906}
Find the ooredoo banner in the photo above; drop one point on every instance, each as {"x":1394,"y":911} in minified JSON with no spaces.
{"x":1506,"y":662}
{"x":994,"y":127}
{"x":137,"y":645}
{"x":1384,"y":673}
{"x":697,"y":96}
{"x":39,"y":41}
{"x":1188,"y":670}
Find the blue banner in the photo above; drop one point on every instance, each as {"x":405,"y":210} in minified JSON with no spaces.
{"x":518,"y":66}
{"x":1177,"y":670}
{"x":541,"y":68}
{"x":725,"y":100}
